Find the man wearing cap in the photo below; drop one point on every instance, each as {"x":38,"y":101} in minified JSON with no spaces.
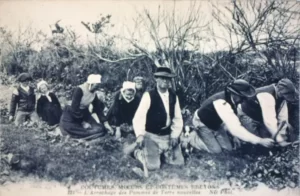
{"x":76,"y":119}
{"x":218,"y":115}
{"x":23,"y":100}
{"x":158,"y":123}
{"x":267,"y":113}
{"x":124,"y":107}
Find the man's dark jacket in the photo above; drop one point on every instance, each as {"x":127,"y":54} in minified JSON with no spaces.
{"x":25,"y":101}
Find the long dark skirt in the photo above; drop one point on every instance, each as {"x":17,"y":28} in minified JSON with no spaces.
{"x":51,"y":114}
{"x":71,"y":127}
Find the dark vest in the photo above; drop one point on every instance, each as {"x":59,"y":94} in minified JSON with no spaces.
{"x":252,"y":107}
{"x":157,"y":116}
{"x":208,"y":114}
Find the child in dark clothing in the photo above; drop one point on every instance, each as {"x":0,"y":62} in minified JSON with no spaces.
{"x":124,"y":107}
{"x":48,"y":106}
{"x":23,"y":100}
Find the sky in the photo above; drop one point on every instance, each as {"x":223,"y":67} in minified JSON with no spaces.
{"x":44,"y":12}
{"x":40,"y":15}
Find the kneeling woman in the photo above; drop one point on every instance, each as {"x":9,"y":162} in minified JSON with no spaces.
{"x":124,"y":107}
{"x":76,"y":119}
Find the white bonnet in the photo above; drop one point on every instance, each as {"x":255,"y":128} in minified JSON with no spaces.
{"x":128,"y":85}
{"x":41,"y":83}
{"x":94,"y":79}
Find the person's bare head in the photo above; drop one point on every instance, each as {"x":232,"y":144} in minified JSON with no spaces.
{"x":139,"y":82}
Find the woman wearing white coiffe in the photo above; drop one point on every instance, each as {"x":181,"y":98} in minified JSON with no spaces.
{"x":76,"y":119}
{"x":123,"y":108}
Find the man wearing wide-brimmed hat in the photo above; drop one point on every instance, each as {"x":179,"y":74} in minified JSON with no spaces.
{"x":23,"y":100}
{"x":217,"y":117}
{"x":266,"y":114}
{"x":158,"y":123}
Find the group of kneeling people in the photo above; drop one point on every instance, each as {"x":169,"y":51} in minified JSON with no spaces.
{"x":239,"y":114}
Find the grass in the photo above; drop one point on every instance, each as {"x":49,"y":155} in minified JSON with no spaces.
{"x":61,"y":159}
{"x":64,"y":160}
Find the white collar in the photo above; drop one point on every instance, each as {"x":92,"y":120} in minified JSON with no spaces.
{"x":276,"y":91}
{"x":163,"y":94}
{"x":127,"y":100}
{"x":46,"y":94}
{"x":25,"y":88}
{"x":233,"y":101}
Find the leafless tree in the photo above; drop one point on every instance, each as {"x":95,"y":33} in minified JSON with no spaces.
{"x":265,"y":30}
{"x":166,"y":38}
{"x":170,"y":34}
{"x":58,"y":28}
{"x":103,"y":43}
{"x":18,"y":46}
